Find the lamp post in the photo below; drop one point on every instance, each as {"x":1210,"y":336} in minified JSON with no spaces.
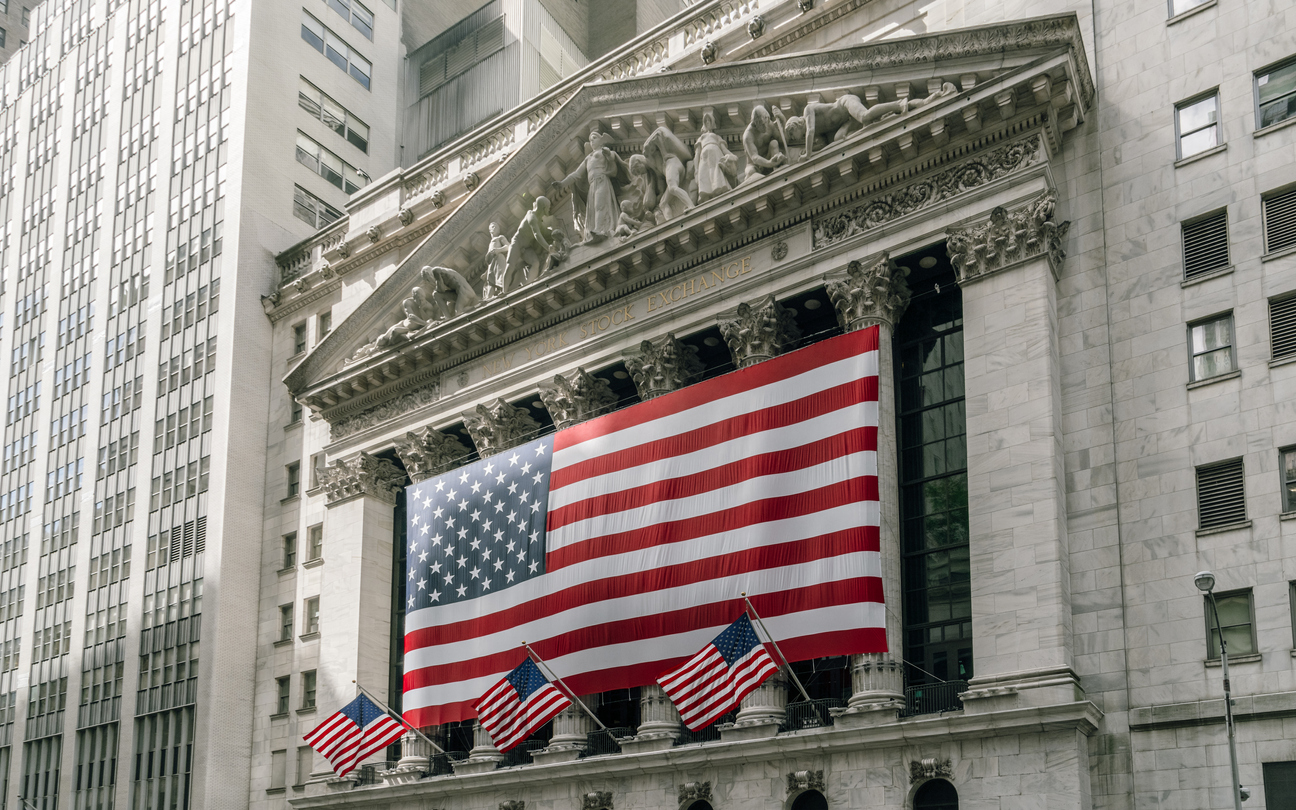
{"x":1205,"y":582}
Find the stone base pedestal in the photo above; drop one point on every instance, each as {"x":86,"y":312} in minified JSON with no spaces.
{"x":874,"y":713}
{"x":750,"y":730}
{"x":557,"y":753}
{"x":478,"y":764}
{"x":404,"y":774}
{"x":1017,"y":690}
{"x":643,"y":743}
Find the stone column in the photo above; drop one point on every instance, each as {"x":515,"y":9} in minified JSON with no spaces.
{"x":1023,"y":646}
{"x":575,"y":397}
{"x":355,"y":592}
{"x":663,"y":365}
{"x":759,"y":331}
{"x":496,"y":426}
{"x":483,"y":756}
{"x":416,"y":757}
{"x":571,"y":729}
{"x":427,"y":452}
{"x":762,"y":711}
{"x":875,"y":294}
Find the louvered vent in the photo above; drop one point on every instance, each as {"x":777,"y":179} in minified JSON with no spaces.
{"x":1282,"y":327}
{"x":1280,"y":221}
{"x":432,"y":74}
{"x":1221,"y":499}
{"x":1205,"y":245}
{"x":471,"y":49}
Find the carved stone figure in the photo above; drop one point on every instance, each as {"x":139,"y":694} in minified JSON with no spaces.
{"x":667,"y":156}
{"x":627,"y":225}
{"x":593,"y":185}
{"x":642,"y":190}
{"x":716,"y":167}
{"x":805,"y":780}
{"x":870,"y":294}
{"x":557,"y":250}
{"x":760,"y":331}
{"x":575,"y":397}
{"x":930,"y":768}
{"x":821,"y":123}
{"x":663,"y":365}
{"x":496,"y":261}
{"x":694,"y":791}
{"x":428,"y":452}
{"x":763,"y":140}
{"x":529,"y":249}
{"x":598,"y":800}
{"x":451,"y":292}
{"x":497,"y":425}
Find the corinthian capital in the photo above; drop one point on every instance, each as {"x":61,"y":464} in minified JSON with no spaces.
{"x":428,"y":452}
{"x":362,"y":474}
{"x":663,"y":365}
{"x":497,"y":425}
{"x":1008,"y":238}
{"x":575,"y":397}
{"x":870,"y":294}
{"x":759,"y":331}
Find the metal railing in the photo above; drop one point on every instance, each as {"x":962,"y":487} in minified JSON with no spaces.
{"x":933,"y":698}
{"x":601,"y":742}
{"x":804,"y":714}
{"x":709,"y":734}
{"x":521,"y":753}
{"x":443,"y":764}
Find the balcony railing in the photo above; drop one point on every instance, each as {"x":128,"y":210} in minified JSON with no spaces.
{"x":599,"y":743}
{"x":443,"y":764}
{"x":521,"y":754}
{"x":933,"y":698}
{"x":709,"y":734}
{"x":805,"y":714}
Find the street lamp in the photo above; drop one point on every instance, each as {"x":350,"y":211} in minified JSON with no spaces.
{"x":1205,"y":582}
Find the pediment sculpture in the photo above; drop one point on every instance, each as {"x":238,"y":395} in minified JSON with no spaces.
{"x":441,"y":294}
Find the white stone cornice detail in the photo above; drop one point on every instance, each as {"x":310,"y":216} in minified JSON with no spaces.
{"x":1009,"y":238}
{"x":360,"y":475}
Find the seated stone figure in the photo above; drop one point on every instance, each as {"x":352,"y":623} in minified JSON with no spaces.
{"x":821,"y":124}
{"x":451,"y":293}
{"x":762,"y":142}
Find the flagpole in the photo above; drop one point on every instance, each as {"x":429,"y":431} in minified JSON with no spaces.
{"x":387,"y":709}
{"x":565,"y":688}
{"x":788,"y":666}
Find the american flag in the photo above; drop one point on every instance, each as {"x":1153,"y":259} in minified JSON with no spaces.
{"x":354,"y":732}
{"x":520,"y":703}
{"x":619,"y":547}
{"x":717,"y":678}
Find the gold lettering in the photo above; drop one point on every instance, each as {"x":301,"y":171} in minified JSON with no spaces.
{"x":652,"y":303}
{"x":746,"y":265}
{"x":702,"y":282}
{"x":717,"y":276}
{"x":729,"y":267}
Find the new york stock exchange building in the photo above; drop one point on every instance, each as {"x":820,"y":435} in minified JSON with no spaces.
{"x":1079,"y":405}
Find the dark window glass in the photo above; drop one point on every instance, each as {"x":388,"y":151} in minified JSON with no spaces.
{"x":936,"y":795}
{"x":1280,"y":785}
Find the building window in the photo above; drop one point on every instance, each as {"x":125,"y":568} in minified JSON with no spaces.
{"x":1210,"y":343}
{"x":305,"y":762}
{"x":1279,"y":214}
{"x":328,"y":165}
{"x":1221,"y":494}
{"x":2,"y":37}
{"x":1235,"y":618}
{"x":361,"y":18}
{"x":937,"y":794}
{"x":312,"y":210}
{"x":299,"y":338}
{"x":26,"y":17}
{"x":311,"y":625}
{"x":308,"y":689}
{"x":294,"y":411}
{"x":315,"y":542}
{"x":333,"y":115}
{"x":1291,"y":603}
{"x":325,"y":325}
{"x":1279,"y":784}
{"x":282,"y":692}
{"x":1287,"y":469}
{"x":289,"y":550}
{"x":1178,"y":7}
{"x":316,"y":462}
{"x":1282,"y":326}
{"x":278,"y":770}
{"x":294,"y":479}
{"x":319,"y":37}
{"x":933,"y":478}
{"x":1205,"y":244}
{"x":1197,"y":124}
{"x":285,"y":622}
{"x":1275,"y":94}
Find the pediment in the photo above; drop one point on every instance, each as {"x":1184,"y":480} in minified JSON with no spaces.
{"x":947,"y":94}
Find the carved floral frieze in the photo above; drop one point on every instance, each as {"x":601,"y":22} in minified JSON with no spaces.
{"x":361,"y":474}
{"x":576,"y":396}
{"x":929,"y":768}
{"x":870,"y":293}
{"x":663,"y":365}
{"x":1009,"y":237}
{"x":391,"y":409}
{"x":497,"y":425}
{"x":756,"y":332}
{"x":427,"y":452}
{"x":805,"y":780}
{"x":597,"y":800}
{"x":694,"y":791}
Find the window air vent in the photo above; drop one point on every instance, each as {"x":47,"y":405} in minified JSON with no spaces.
{"x":1282,"y":327}
{"x":1205,"y":245}
{"x":1280,"y":221}
{"x":1221,"y":498}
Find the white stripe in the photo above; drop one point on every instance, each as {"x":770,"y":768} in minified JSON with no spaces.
{"x":663,"y":648}
{"x":769,"y":533}
{"x":856,"y":367}
{"x":795,"y":482}
{"x":788,"y":437}
{"x":824,"y":570}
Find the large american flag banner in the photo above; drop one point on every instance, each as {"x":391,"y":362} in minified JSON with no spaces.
{"x":619,"y":547}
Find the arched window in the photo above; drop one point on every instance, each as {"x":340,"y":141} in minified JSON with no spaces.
{"x":810,"y":800}
{"x":936,"y":795}
{"x":700,"y":805}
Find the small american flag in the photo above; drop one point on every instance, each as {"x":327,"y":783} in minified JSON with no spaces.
{"x":722,"y":674}
{"x":518,"y":705}
{"x":354,"y":732}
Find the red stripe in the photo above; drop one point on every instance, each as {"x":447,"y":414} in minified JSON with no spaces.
{"x":770,"y":371}
{"x":795,"y":552}
{"x":817,"y":645}
{"x":858,"y":440}
{"x":753,"y":513}
{"x":747,"y":425}
{"x":715,"y":614}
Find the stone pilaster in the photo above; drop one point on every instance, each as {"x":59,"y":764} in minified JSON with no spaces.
{"x":576,"y":396}
{"x":427,"y":452}
{"x":356,"y":579}
{"x":571,"y":729}
{"x":1024,"y":649}
{"x":496,"y":426}
{"x":875,"y":293}
{"x":663,"y":365}
{"x":762,"y":711}
{"x":759,"y":331}
{"x":483,"y":757}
